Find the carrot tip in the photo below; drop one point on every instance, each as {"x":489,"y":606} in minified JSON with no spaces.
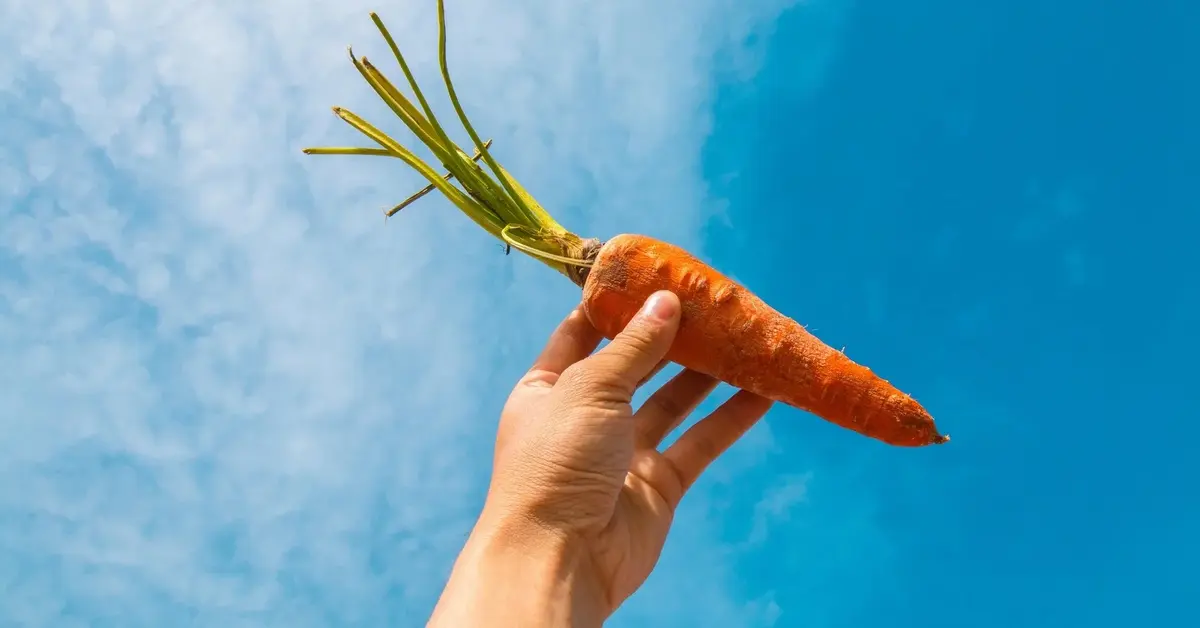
{"x":942,"y":440}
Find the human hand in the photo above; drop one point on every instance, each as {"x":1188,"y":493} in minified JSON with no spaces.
{"x":581,"y":499}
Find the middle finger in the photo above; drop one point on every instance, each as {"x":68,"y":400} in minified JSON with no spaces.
{"x":669,"y":406}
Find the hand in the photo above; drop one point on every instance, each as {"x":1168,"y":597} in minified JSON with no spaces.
{"x":581,"y":499}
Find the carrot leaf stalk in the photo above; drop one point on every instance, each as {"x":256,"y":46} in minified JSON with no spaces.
{"x":495,"y":201}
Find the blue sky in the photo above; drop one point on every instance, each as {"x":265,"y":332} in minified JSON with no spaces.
{"x":233,"y":396}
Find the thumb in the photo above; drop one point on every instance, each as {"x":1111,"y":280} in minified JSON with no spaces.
{"x":635,"y":352}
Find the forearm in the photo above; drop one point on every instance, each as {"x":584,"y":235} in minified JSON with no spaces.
{"x":515,"y":575}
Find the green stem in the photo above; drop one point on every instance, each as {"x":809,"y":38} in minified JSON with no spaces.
{"x":516,"y":244}
{"x":447,"y":153}
{"x":483,"y":185}
{"x":502,"y":208}
{"x":429,"y":188}
{"x":340,"y":150}
{"x":477,"y":212}
{"x":487,"y":157}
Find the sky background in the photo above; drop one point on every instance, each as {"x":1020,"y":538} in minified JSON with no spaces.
{"x":230,"y":395}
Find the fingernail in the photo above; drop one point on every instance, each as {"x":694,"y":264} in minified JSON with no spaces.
{"x":658,"y":307}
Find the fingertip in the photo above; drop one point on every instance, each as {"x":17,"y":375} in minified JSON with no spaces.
{"x":643,"y":343}
{"x":662,"y":306}
{"x":576,"y":319}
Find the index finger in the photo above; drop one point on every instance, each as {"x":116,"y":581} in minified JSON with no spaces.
{"x":574,"y":339}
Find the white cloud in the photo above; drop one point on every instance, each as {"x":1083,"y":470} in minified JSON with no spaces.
{"x":777,"y":505}
{"x":232,"y":395}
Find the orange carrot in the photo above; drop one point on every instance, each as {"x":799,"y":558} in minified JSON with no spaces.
{"x":726,"y":331}
{"x":731,"y":334}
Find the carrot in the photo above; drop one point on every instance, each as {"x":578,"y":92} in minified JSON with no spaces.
{"x":726,"y":331}
{"x":731,"y":334}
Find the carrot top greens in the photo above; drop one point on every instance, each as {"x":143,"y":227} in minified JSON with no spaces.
{"x":497,"y":203}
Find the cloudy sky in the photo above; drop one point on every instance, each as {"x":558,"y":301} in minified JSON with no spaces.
{"x":232,"y":395}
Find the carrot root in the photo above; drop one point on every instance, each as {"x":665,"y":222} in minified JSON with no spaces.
{"x":729,"y":333}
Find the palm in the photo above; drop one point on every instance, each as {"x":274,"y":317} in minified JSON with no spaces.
{"x":626,"y":550}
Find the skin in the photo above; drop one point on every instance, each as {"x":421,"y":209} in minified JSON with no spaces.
{"x":581,"y":498}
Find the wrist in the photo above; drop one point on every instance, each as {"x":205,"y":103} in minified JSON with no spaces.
{"x":515,"y":572}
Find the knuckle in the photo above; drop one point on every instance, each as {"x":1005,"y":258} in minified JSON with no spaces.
{"x":667,"y":405}
{"x":577,"y":376}
{"x":634,"y":339}
{"x":706,"y":447}
{"x":595,"y":382}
